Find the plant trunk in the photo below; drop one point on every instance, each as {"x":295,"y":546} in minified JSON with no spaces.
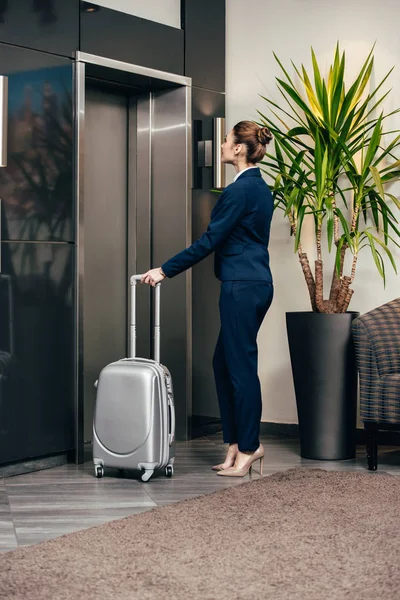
{"x":335,"y":220}
{"x":335,"y":287}
{"x":355,"y":218}
{"x":323,"y":306}
{"x":319,"y":242}
{"x":343,"y":294}
{"x":340,"y":292}
{"x":353,"y":267}
{"x":319,"y":285}
{"x":350,"y":292}
{"x":305,"y":265}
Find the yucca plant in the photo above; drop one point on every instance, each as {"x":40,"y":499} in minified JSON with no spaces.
{"x":334,"y":160}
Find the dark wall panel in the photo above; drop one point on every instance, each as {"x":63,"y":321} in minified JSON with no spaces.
{"x":47,"y":25}
{"x":130,"y":39}
{"x":36,"y":350}
{"x":204,"y":24}
{"x":206,"y":105}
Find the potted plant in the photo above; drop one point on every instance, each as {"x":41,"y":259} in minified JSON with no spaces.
{"x":333,"y":162}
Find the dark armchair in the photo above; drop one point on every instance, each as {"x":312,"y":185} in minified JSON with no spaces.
{"x":376,"y":337}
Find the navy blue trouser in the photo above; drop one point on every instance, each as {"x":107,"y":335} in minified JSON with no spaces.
{"x":243,"y":306}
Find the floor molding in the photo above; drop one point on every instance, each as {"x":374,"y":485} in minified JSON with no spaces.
{"x":203,"y":426}
{"x":34,"y":464}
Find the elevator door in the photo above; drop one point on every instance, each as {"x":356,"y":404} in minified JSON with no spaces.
{"x":105,"y":284}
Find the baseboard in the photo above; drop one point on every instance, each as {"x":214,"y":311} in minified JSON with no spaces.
{"x":203,"y":426}
{"x":34,"y":464}
{"x":280,"y":430}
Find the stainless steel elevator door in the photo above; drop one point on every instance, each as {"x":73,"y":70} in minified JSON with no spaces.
{"x":105,"y":237}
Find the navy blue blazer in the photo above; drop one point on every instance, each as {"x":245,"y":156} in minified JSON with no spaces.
{"x":238,"y":233}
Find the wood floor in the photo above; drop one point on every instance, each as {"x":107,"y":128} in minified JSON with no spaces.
{"x":46,"y":504}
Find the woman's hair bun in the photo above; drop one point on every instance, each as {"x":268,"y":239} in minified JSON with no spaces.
{"x":264,"y":135}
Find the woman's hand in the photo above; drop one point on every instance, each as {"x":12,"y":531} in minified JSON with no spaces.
{"x":153,"y":277}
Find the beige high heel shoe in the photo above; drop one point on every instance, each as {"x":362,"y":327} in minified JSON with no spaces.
{"x":247,"y":467}
{"x":221,"y":467}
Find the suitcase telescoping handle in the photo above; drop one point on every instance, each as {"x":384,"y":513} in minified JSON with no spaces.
{"x":134,"y":280}
{"x":157,"y":331}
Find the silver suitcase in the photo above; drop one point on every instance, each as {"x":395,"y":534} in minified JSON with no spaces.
{"x":134,"y":419}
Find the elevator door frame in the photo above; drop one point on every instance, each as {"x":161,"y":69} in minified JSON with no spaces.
{"x":81,"y":61}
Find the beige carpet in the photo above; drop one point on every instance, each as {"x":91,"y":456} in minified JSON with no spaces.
{"x":298,"y":535}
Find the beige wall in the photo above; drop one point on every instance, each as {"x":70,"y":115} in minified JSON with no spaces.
{"x":255,"y":28}
{"x":167,"y":12}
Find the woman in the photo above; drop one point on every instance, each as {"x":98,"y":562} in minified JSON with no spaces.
{"x":238,"y":233}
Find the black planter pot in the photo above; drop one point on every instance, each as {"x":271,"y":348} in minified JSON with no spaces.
{"x":325,"y":381}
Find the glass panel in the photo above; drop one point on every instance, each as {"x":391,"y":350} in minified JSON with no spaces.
{"x":36,"y":186}
{"x":167,"y":12}
{"x":36,"y":349}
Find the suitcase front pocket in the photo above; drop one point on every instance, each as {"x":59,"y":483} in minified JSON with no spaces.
{"x":125,"y":407}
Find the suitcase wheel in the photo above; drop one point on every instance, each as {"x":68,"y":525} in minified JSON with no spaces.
{"x":99,"y":471}
{"x":169,"y":471}
{"x":147,"y":474}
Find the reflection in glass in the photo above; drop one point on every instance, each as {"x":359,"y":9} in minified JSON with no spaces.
{"x":46,"y":11}
{"x":36,"y":279}
{"x":36,"y":350}
{"x":36,"y":187}
{"x":44,"y":8}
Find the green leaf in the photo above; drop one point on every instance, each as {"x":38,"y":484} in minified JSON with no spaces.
{"x":392,"y":166}
{"x":283,"y":69}
{"x":373,"y":145}
{"x":383,"y":267}
{"x":378,"y":180}
{"x":337,"y":91}
{"x":393,"y":175}
{"x":388,"y":150}
{"x":291,"y":200}
{"x":299,"y":118}
{"x":296,"y":119}
{"x":325,"y":105}
{"x":363,"y":83}
{"x":277,"y":181}
{"x":317,"y":76}
{"x":385,"y":221}
{"x":367,"y":102}
{"x":374,"y":209}
{"x":338,"y":254}
{"x":395,"y":200}
{"x":320,"y":167}
{"x":378,"y":263}
{"x":341,"y":194}
{"x":279,"y":156}
{"x":295,"y":131}
{"x":299,"y":225}
{"x":345,"y":226}
{"x":297,"y":99}
{"x":313,"y":100}
{"x":349,"y":101}
{"x":330,"y":222}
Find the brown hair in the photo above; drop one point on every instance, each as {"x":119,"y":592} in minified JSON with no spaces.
{"x":254,"y":137}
